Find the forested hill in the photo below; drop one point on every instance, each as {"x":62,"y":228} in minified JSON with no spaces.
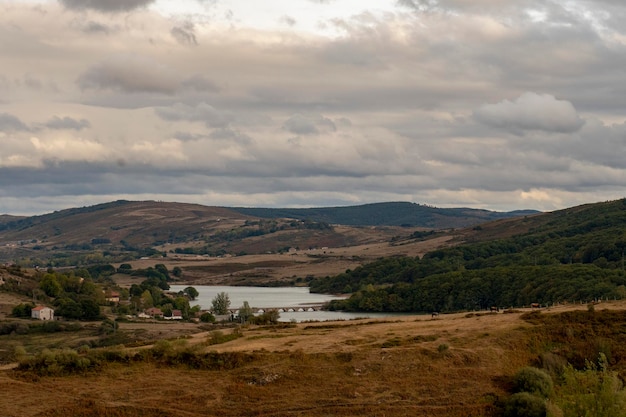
{"x":570,"y":255}
{"x":389,"y":214}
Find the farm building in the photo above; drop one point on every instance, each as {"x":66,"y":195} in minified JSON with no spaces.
{"x":42,"y":313}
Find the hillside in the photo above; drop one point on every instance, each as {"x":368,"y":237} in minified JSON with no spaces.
{"x":388,"y":214}
{"x":569,"y":255}
{"x":124,"y":230}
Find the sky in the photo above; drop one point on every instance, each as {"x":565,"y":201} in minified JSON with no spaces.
{"x":490,"y":104}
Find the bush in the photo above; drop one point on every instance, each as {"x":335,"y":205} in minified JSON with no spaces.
{"x":57,"y":363}
{"x":524,"y":404}
{"x":595,"y":391}
{"x":534,"y":381}
{"x":207,"y":318}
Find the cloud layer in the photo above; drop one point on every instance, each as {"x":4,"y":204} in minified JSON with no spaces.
{"x":501,"y":106}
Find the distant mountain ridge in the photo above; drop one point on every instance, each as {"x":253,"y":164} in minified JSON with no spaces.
{"x":125,"y":229}
{"x":388,"y":214}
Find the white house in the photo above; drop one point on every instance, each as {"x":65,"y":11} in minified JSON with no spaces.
{"x":42,"y":313}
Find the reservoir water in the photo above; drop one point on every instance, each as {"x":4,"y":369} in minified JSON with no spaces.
{"x":277,"y":298}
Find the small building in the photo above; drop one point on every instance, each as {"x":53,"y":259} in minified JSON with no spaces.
{"x":42,"y":313}
{"x":113,"y":297}
{"x":154,"y":312}
{"x":176,"y":315}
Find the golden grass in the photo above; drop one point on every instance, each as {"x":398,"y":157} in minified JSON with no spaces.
{"x":414,"y":366}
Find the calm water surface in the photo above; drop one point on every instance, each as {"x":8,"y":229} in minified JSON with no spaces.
{"x":281,"y":297}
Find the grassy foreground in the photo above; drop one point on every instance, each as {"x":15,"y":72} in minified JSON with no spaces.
{"x":454,"y":365}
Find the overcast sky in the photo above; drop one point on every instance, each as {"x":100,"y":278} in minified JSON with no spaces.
{"x":495,"y":104}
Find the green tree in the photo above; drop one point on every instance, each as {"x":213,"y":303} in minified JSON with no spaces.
{"x":191,"y":292}
{"x":245,"y":312}
{"x":90,"y":309}
{"x":50,"y":285}
{"x":525,"y":404}
{"x":533,"y":380}
{"x":221,"y":303}
{"x":177,"y":272}
{"x":146,"y":299}
{"x":22,"y":310}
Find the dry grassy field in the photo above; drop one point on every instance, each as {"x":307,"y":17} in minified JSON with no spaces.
{"x":260,"y":268}
{"x":453,"y":365}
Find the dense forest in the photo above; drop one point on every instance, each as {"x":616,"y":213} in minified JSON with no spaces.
{"x":567,"y":256}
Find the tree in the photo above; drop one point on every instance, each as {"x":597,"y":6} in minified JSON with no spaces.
{"x":146,"y":299}
{"x":245,"y":312}
{"x":191,"y":292}
{"x":22,"y":310}
{"x":177,"y":272}
{"x":221,"y":303}
{"x":51,"y":286}
{"x":91,"y":309}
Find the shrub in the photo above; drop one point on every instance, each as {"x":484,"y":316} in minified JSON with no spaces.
{"x":594,"y":391}
{"x":534,"y":381}
{"x":217,"y":337}
{"x":57,"y":363}
{"x":524,"y":404}
{"x":207,"y":318}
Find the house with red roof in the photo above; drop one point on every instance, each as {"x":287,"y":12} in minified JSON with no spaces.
{"x":42,"y":313}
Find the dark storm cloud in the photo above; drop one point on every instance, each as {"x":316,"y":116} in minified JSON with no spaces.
{"x":10,"y":123}
{"x":59,"y":123}
{"x":106,"y":5}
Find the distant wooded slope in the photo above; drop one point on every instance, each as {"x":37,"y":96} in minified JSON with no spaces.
{"x":388,"y":214}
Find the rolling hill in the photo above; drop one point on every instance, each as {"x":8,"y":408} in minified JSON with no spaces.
{"x":132,"y":229}
{"x":388,"y":214}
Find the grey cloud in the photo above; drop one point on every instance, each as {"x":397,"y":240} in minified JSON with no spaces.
{"x":32,"y":82}
{"x":288,"y":20}
{"x":302,"y":124}
{"x":106,"y":5}
{"x":531,"y":111}
{"x":95,"y":27}
{"x":67,"y":123}
{"x":200,"y":83}
{"x":10,"y":123}
{"x":419,"y":5}
{"x":203,"y":112}
{"x":129,"y":74}
{"x":231,"y":134}
{"x":184,"y":34}
{"x":188,"y":137}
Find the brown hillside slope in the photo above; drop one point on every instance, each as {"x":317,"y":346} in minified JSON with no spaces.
{"x":136,"y":222}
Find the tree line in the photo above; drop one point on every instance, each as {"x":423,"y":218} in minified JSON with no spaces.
{"x":569,"y":256}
